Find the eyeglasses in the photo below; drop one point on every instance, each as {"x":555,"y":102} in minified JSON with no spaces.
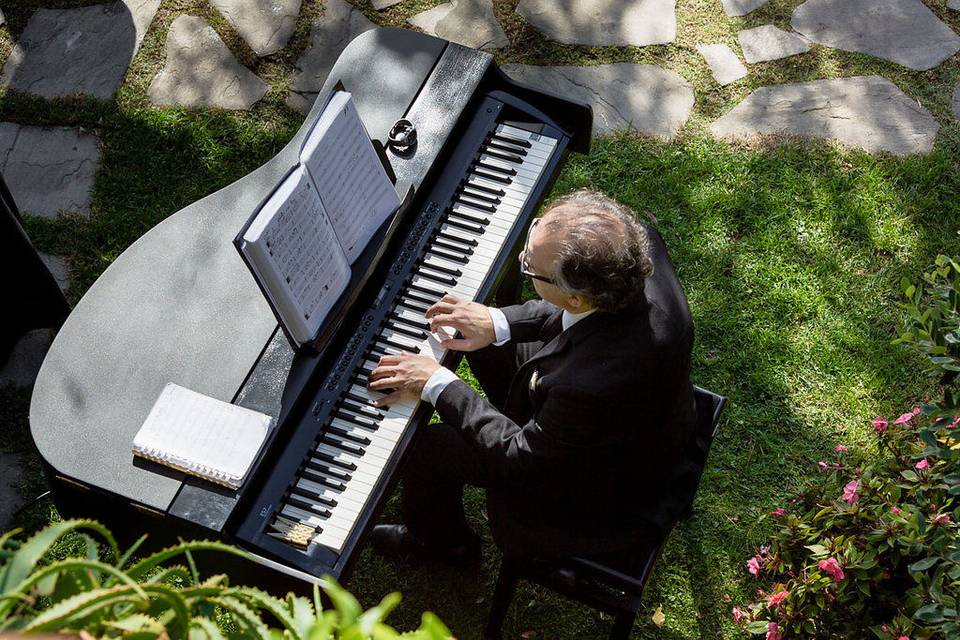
{"x":525,"y":264}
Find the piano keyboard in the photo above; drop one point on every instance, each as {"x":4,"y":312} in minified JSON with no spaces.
{"x":336,"y":478}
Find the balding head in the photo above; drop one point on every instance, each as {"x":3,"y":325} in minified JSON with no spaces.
{"x":602,"y":251}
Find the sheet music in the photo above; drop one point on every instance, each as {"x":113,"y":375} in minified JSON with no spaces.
{"x":294,"y":245}
{"x":348,"y":174}
{"x":201,"y":435}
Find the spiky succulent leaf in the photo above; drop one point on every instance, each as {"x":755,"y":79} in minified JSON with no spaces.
{"x":343,"y":601}
{"x":143,"y":568}
{"x":261,"y":600}
{"x":244,"y":616}
{"x":371,"y":617}
{"x":203,"y":628}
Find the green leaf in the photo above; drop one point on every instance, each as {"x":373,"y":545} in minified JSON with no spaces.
{"x":302,"y":613}
{"x":243,"y":615}
{"x":345,"y":604}
{"x":923,"y":565}
{"x":262,"y":600}
{"x":61,"y":615}
{"x":205,"y":628}
{"x":929,"y":614}
{"x":910,"y":475}
{"x":377,"y":614}
{"x":818,"y":550}
{"x":140,"y":570}
{"x":757,"y":626}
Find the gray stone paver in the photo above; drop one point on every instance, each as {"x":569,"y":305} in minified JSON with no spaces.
{"x":643,"y":97}
{"x":86,"y":51}
{"x":340,"y":23}
{"x":10,"y":498}
{"x":380,"y":5}
{"x":953,"y":4}
{"x":57,"y":266}
{"x":23,"y":364}
{"x":868,"y":112}
{"x":762,"y":44}
{"x":603,"y":22}
{"x":49,"y":169}
{"x":902,"y":31}
{"x":200,"y":71}
{"x":265,"y":25}
{"x":724,"y":63}
{"x":471,"y":23}
{"x":3,"y":20}
{"x":741,"y":7}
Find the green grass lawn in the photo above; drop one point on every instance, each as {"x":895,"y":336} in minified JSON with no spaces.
{"x":790,"y":254}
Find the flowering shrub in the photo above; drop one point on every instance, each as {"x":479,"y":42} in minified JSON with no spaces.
{"x":876,"y":548}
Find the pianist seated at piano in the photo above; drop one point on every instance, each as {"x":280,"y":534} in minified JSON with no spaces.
{"x":580,"y":442}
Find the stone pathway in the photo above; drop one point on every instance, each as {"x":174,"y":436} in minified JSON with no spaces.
{"x":603,"y":22}
{"x":471,"y":23}
{"x":57,"y":265}
{"x":868,"y":112}
{"x":49,"y":169}
{"x":902,"y":31}
{"x":643,"y":97}
{"x":78,"y":51}
{"x":953,"y":4}
{"x":766,"y":43}
{"x":741,"y":7}
{"x":341,"y":22}
{"x":265,"y":25}
{"x":724,"y":63}
{"x":200,"y":71}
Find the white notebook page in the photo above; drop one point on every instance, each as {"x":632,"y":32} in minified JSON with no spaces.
{"x":348,"y":174}
{"x":206,"y":436}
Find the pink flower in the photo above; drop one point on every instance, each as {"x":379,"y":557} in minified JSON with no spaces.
{"x":923,"y":464}
{"x":738,"y":614}
{"x":904,"y":638}
{"x":773,"y":632}
{"x":753,"y":565}
{"x":896,"y":511}
{"x":779,"y":511}
{"x":879,"y":424}
{"x":841,"y":448}
{"x":904,"y":418}
{"x":953,"y":425}
{"x":775,"y":599}
{"x":832,"y":567}
{"x":916,"y":410}
{"x":943,"y":518}
{"x":850,"y":495}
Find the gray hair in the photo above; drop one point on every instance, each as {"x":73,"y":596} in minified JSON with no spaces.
{"x":604,"y":252}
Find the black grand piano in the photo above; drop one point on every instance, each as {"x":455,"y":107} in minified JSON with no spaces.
{"x":179,"y":305}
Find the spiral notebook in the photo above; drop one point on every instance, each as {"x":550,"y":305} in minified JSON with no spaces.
{"x":202,"y":436}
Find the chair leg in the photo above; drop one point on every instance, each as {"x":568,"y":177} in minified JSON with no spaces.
{"x":622,"y":626}
{"x":502,"y":597}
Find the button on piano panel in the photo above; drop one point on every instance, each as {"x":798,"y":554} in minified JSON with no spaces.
{"x":336,"y":479}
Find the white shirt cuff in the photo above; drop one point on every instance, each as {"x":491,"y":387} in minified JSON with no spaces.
{"x":501,"y":328}
{"x":436,"y":383}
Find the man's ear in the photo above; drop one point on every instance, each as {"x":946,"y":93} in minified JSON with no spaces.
{"x":578,"y":304}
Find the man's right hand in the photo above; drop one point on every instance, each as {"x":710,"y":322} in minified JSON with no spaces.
{"x":471,"y":319}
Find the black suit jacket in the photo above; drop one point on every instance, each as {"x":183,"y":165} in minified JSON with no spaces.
{"x":589,"y":451}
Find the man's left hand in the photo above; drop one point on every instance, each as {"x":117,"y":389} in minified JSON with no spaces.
{"x":404,"y":374}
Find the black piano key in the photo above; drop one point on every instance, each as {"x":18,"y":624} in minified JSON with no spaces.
{"x":465,"y":226}
{"x":343,"y":446}
{"x":475,"y":205}
{"x":476,"y":195}
{"x":456,"y":273}
{"x":308,"y":507}
{"x":440,"y":254}
{"x":506,"y":157}
{"x":397,"y":345}
{"x":327,"y":470}
{"x":446,"y":246}
{"x":346,"y":435}
{"x":426,"y":290}
{"x":419,"y":335}
{"x":312,"y":476}
{"x":416,"y":307}
{"x":340,"y":463}
{"x":490,"y":190}
{"x":502,"y":147}
{"x":491,"y":167}
{"x":455,"y":238}
{"x":312,"y":495}
{"x":468,"y":217}
{"x":491,"y":176}
{"x":349,"y":417}
{"x":450,"y":282}
{"x":376,"y":350}
{"x":415,"y":323}
{"x":365,"y":372}
{"x":359,"y":408}
{"x":511,"y":140}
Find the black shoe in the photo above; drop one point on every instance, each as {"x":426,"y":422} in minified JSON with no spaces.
{"x":396,"y":541}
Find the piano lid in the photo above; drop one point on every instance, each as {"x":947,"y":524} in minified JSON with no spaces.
{"x":179,"y":305}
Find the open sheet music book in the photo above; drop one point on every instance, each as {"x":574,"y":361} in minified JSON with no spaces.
{"x":202,"y":436}
{"x":301,"y":242}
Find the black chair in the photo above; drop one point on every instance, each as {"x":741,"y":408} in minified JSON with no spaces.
{"x":611,"y":589}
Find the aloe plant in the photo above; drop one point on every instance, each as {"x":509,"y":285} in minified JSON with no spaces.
{"x":108,"y":594}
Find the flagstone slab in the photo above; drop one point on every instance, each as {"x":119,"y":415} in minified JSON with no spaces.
{"x":341,"y":22}
{"x":471,"y":23}
{"x":643,"y":97}
{"x":200,"y":71}
{"x":953,"y":4}
{"x":735,"y":8}
{"x":57,"y":266}
{"x":380,"y":5}
{"x":867,"y":112}
{"x":85,"y":51}
{"x":49,"y":169}
{"x":902,"y":31}
{"x":265,"y":25}
{"x":603,"y":22}
{"x":762,"y":44}
{"x":724,"y":63}
{"x":2,"y":19}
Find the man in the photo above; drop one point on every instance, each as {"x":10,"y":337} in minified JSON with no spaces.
{"x":581,"y":440}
